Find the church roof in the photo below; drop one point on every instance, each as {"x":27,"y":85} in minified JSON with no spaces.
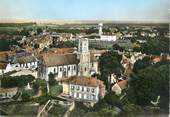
{"x":52,"y":59}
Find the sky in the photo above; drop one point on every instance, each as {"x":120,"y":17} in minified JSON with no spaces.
{"x":116,"y":10}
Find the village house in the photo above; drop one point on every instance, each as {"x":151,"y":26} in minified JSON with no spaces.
{"x":18,"y":61}
{"x":8,"y":92}
{"x":38,"y":41}
{"x":118,"y":86}
{"x":88,"y":89}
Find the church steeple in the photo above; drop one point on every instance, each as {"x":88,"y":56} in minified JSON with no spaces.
{"x":84,"y":57}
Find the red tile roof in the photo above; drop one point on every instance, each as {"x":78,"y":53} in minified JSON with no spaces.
{"x":85,"y":81}
{"x":123,"y":84}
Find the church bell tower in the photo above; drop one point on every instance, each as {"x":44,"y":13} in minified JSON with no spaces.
{"x":83,"y":57}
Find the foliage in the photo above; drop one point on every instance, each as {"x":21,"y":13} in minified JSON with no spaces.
{"x":154,"y":46}
{"x":58,"y":110}
{"x":52,"y":81}
{"x":65,"y":44}
{"x":55,"y":90}
{"x":112,"y":99}
{"x":5,"y":44}
{"x":24,"y":32}
{"x":42,"y":99}
{"x":25,"y":96}
{"x":141,"y":64}
{"x":110,"y":63}
{"x":39,"y":30}
{"x":117,"y":47}
{"x":36,"y":85}
{"x":40,"y":84}
{"x":16,"y":81}
{"x":16,"y":24}
{"x":149,"y":83}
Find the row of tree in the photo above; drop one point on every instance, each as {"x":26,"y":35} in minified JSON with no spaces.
{"x":154,"y":46}
{"x":16,"y":81}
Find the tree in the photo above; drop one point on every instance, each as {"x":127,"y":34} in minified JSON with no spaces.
{"x":25,"y":96}
{"x":5,"y":44}
{"x":149,"y":83}
{"x":39,"y":30}
{"x":112,"y":99}
{"x":154,"y":46}
{"x":141,"y":64}
{"x":109,"y":63}
{"x":16,"y":81}
{"x":36,"y":85}
{"x":117,"y":47}
{"x":65,"y":44}
{"x":52,"y":80}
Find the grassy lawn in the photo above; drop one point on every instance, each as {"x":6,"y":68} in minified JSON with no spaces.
{"x":8,"y":30}
{"x":20,"y":109}
{"x":58,"y":110}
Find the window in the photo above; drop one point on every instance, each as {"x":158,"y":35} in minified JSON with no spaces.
{"x":78,"y":87}
{"x":92,"y":65}
{"x":77,"y":95}
{"x":87,"y":96}
{"x":94,"y":97}
{"x":54,"y":70}
{"x":60,"y":69}
{"x":74,"y":67}
{"x":82,"y":89}
{"x":82,"y":96}
{"x":68,"y":68}
{"x":72,"y":87}
{"x":85,"y":69}
{"x":88,"y":89}
{"x":72,"y":94}
{"x":92,"y":90}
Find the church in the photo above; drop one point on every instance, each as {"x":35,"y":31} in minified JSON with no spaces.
{"x":82,"y":62}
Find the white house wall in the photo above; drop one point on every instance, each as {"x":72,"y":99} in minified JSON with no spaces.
{"x":84,"y":94}
{"x":59,"y":71}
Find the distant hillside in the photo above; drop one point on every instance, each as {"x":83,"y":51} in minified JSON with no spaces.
{"x":61,"y":22}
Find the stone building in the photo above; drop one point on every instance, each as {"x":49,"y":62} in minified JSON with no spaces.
{"x":78,"y":63}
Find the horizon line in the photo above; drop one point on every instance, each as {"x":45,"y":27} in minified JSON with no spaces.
{"x":71,"y":21}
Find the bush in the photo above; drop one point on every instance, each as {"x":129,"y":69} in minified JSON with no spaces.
{"x":16,"y":81}
{"x":25,"y":96}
